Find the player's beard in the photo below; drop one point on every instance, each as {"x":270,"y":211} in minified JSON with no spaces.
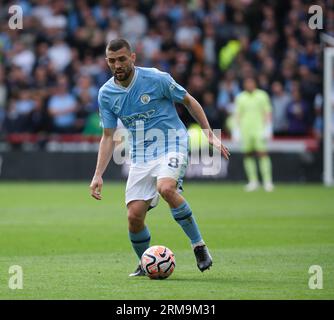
{"x":124,"y":75}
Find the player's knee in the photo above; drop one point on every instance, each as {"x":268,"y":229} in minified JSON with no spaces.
{"x":135,"y":218}
{"x":135,"y":222}
{"x":261,"y":154}
{"x":167,"y":191}
{"x":249,"y":154}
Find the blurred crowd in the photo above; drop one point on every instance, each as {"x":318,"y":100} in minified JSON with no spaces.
{"x":51,"y":70}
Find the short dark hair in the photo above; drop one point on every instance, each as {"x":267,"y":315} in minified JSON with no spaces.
{"x":250,"y":77}
{"x":117,"y":44}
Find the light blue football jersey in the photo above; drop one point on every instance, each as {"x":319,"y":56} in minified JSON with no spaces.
{"x":146,"y":108}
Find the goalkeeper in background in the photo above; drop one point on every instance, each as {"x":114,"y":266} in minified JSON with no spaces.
{"x":254,"y":127}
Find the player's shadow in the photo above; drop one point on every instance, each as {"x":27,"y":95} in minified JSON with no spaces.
{"x":179,"y":280}
{"x":213,"y":280}
{"x":186,"y":280}
{"x":197,"y":279}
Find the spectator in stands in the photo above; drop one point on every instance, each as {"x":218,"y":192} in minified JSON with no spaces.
{"x":228,"y":90}
{"x":85,"y":85}
{"x":104,"y":12}
{"x":297,"y":114}
{"x":43,"y":80}
{"x":62,"y":108}
{"x":309,"y":57}
{"x":151,"y":45}
{"x":16,"y":80}
{"x":42,"y":55}
{"x":309,"y":85}
{"x":40,"y":121}
{"x":59,"y":54}
{"x":264,"y":82}
{"x":288,"y":74}
{"x":134,"y":24}
{"x":240,"y":28}
{"x":104,"y":72}
{"x":187,"y":32}
{"x":209,"y":44}
{"x":3,"y":96}
{"x":113,"y":31}
{"x":44,"y":12}
{"x":332,"y":103}
{"x":89,"y":66}
{"x":19,"y":114}
{"x":86,"y":107}
{"x":280,"y":100}
{"x":92,"y":125}
{"x":22,"y":57}
{"x":210,"y":109}
{"x":318,"y":124}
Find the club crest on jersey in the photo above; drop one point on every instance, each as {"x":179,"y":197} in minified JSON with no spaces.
{"x":145,"y":98}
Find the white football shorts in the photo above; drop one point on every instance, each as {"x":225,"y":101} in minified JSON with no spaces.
{"x":142,"y":179}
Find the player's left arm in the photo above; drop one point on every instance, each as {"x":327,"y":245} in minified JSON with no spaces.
{"x":198,"y":114}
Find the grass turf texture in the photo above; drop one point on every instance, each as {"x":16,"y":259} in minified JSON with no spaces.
{"x":72,"y":247}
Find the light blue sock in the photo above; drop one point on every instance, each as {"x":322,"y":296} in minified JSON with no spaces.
{"x":183,"y":216}
{"x":140,"y":241}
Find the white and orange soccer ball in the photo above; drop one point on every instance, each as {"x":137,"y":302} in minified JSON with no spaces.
{"x":158,"y":262}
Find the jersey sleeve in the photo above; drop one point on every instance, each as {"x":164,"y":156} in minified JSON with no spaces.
{"x":107,"y":117}
{"x":171,"y":89}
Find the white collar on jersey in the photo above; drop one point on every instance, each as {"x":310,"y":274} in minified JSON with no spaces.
{"x":131,"y":83}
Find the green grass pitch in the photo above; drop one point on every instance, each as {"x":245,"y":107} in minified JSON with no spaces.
{"x":73,"y":247}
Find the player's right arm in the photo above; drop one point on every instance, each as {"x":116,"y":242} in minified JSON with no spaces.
{"x":109,"y":124}
{"x":103,"y":158}
{"x":236,"y":126}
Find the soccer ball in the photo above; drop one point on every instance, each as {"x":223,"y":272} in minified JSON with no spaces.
{"x":158,"y":262}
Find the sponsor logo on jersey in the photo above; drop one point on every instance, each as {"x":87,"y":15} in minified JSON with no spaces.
{"x":130,"y":121}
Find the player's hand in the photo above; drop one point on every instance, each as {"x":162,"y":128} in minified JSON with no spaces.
{"x":268,"y":131}
{"x":96,"y":187}
{"x":236,"y":134}
{"x":217,"y":143}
